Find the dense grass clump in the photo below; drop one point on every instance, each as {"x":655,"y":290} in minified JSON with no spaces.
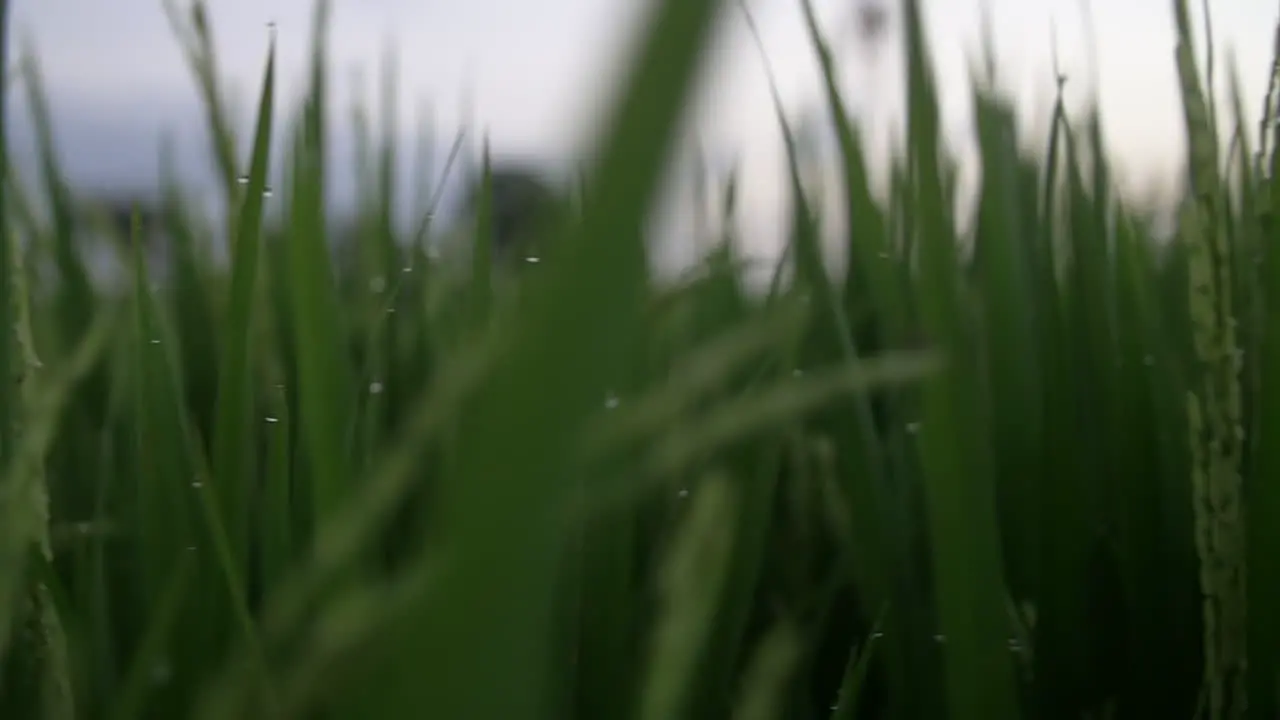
{"x":1031,"y":474}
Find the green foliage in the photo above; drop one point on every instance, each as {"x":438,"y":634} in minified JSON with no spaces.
{"x":1030,"y":480}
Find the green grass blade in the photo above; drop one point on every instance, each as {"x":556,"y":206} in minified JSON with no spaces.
{"x":129,"y":704}
{"x":24,"y":508}
{"x":691,"y":584}
{"x":76,"y":291}
{"x":1263,"y":492}
{"x":233,"y":459}
{"x":768,"y":679}
{"x":515,"y":441}
{"x":196,"y":38}
{"x":324,"y":372}
{"x":855,"y":676}
{"x":868,"y":246}
{"x":967,"y":561}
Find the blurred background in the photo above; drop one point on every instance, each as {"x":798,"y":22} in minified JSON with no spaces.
{"x":532,"y":75}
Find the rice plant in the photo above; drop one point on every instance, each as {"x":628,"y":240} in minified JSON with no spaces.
{"x":1020,"y":471}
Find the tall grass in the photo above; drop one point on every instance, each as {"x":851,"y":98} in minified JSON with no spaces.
{"x":1022,"y":476}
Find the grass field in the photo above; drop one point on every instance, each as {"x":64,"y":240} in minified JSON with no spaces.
{"x":1024,"y":481}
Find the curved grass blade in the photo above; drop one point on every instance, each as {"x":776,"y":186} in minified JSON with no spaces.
{"x":22,"y":491}
{"x":196,"y":38}
{"x":556,"y":358}
{"x":33,"y":643}
{"x":769,"y":677}
{"x":733,"y":420}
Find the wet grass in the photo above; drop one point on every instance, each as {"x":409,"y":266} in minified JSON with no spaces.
{"x":1017,"y":474}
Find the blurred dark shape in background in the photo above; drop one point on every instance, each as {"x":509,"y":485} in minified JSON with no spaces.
{"x":872,"y":18}
{"x":525,"y":203}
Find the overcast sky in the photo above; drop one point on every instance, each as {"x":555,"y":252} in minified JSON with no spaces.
{"x":535,"y":70}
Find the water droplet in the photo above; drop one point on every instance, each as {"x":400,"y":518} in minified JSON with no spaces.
{"x":375,"y":388}
{"x":407,"y":269}
{"x":1014,"y":645}
{"x":611,"y":402}
{"x":913,"y":428}
{"x":243,"y":179}
{"x":1148,"y":360}
{"x":271,"y":419}
{"x":877,"y":635}
{"x":939,"y":638}
{"x":191,"y":548}
{"x":155,"y":341}
{"x":377,"y":285}
{"x":684,"y":493}
{"x":84,"y":528}
{"x":797,"y":373}
{"x":266,"y":192}
{"x":884,"y":256}
{"x":197,"y":484}
{"x":390,"y":310}
{"x":533,"y":259}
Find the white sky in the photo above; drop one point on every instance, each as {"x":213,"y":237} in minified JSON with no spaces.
{"x":536,"y":69}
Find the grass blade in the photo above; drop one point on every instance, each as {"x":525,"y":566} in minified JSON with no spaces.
{"x":233,"y":461}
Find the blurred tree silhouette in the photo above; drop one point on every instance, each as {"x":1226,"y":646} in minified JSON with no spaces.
{"x":524,"y":203}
